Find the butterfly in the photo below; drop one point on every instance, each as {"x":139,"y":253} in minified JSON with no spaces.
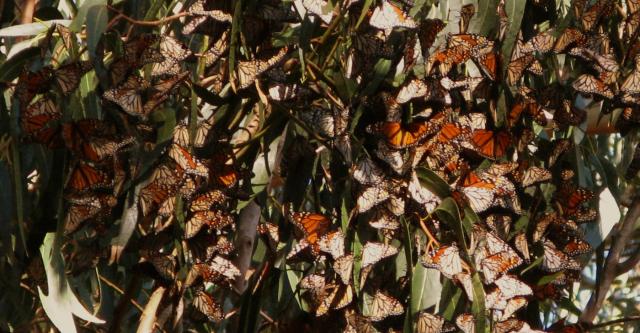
{"x":432,"y":323}
{"x":153,"y":195}
{"x":272,"y":233}
{"x":374,"y":252}
{"x":333,"y":296}
{"x":181,"y":134}
{"x":488,"y":63}
{"x":555,"y":260}
{"x":588,"y":84}
{"x":383,"y":219}
{"x":499,"y":224}
{"x":332,"y":243}
{"x":466,"y":322}
{"x":215,"y":219}
{"x":160,"y":92}
{"x":84,"y":177}
{"x":510,"y":286}
{"x":199,"y":15}
{"x":217,"y":50}
{"x":205,"y":303}
{"x":446,"y":259}
{"x":490,"y":144}
{"x":366,"y":172}
{"x":343,"y":266}
{"x":388,"y":16}
{"x":590,"y":17}
{"x":381,"y":306}
{"x":479,"y":193}
{"x":248,"y":71}
{"x":543,"y":42}
{"x":92,"y":140}
{"x":414,"y":89}
{"x":84,"y":208}
{"x":127,"y":95}
{"x":68,"y":76}
{"x":428,"y":31}
{"x":39,"y":114}
{"x":210,"y":198}
{"x":631,"y":84}
{"x":423,"y":196}
{"x":532,"y":175}
{"x":570,"y":37}
{"x":400,"y":136}
{"x":448,"y":58}
{"x":165,"y":265}
{"x":476,"y":44}
{"x":173,"y":52}
{"x":372,"y":196}
{"x":466,"y":13}
{"x":521,"y":244}
{"x":217,"y":270}
{"x":187,"y":162}
{"x":517,"y":67}
{"x":32,"y":83}
{"x":576,"y":246}
{"x":319,"y":8}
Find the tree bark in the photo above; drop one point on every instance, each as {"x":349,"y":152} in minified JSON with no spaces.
{"x":610,"y":270}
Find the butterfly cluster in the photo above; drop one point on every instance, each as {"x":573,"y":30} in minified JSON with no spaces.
{"x":408,"y":144}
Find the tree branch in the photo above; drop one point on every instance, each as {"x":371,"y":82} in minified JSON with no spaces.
{"x":628,"y":264}
{"x":623,"y":234}
{"x":145,"y":23}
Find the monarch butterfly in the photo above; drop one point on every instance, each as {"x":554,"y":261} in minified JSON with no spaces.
{"x":631,"y":84}
{"x":532,"y":175}
{"x":432,"y":323}
{"x":511,"y":306}
{"x":516,"y":68}
{"x":165,"y":265}
{"x":510,"y":286}
{"x":576,"y":246}
{"x":210,"y":198}
{"x":272,"y":233}
{"x":86,"y":138}
{"x":446,"y":259}
{"x":428,"y":31}
{"x":382,"y":306}
{"x":204,"y":303}
{"x":592,"y":16}
{"x":554,"y":260}
{"x":84,"y":177}
{"x":499,"y":224}
{"x":373,"y":252}
{"x":181,"y":134}
{"x":80,"y":212}
{"x":332,"y":243}
{"x":570,"y":37}
{"x":479,"y":193}
{"x":387,"y":17}
{"x":414,"y":89}
{"x":319,"y":8}
{"x":573,"y":198}
{"x":160,"y":93}
{"x":32,"y":83}
{"x":449,"y":58}
{"x":199,"y":15}
{"x":37,"y":115}
{"x":173,"y":52}
{"x":476,"y":44}
{"x":334,"y":297}
{"x":127,"y":95}
{"x":153,"y":195}
{"x":490,"y":144}
{"x":466,"y":323}
{"x":423,"y":196}
{"x":218,"y":270}
{"x":488,"y":63}
{"x":400,"y":136}
{"x":312,"y":225}
{"x":372,"y":196}
{"x":68,"y":76}
{"x":466,"y":13}
{"x":498,"y":264}
{"x":187,"y":162}
{"x":248,"y":71}
{"x":215,"y":219}
{"x":383,"y":219}
{"x":542,"y":42}
{"x":313,"y":281}
{"x":366,"y":172}
{"x":632,"y":6}
{"x":521,"y":244}
{"x":343,"y":266}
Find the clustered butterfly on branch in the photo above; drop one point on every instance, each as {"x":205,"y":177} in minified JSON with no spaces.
{"x":398,"y":105}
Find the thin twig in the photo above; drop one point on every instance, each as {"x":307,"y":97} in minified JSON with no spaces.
{"x":620,"y":240}
{"x":613,"y":322}
{"x":628,"y":264}
{"x":147,"y":23}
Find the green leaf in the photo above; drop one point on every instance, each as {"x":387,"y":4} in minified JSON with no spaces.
{"x":425,"y":288}
{"x":478,"y":306}
{"x":433,"y":182}
{"x":12,"y":68}
{"x":31,"y":29}
{"x":83,"y":11}
{"x":61,"y":303}
{"x":515,"y":12}
{"x":97,"y":19}
{"x":486,"y":18}
{"x":380,"y":70}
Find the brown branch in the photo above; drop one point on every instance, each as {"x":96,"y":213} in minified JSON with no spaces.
{"x":622,"y":236}
{"x":613,"y":322}
{"x":146,"y":23}
{"x":628,"y":264}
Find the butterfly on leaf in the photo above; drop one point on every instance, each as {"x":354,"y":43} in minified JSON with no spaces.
{"x":432,"y":323}
{"x":446,"y":259}
{"x":588,"y":84}
{"x":128,"y":95}
{"x":555,"y":260}
{"x":248,"y":71}
{"x":381,"y":306}
{"x":388,"y":17}
{"x":205,"y":303}
{"x":199,"y":15}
